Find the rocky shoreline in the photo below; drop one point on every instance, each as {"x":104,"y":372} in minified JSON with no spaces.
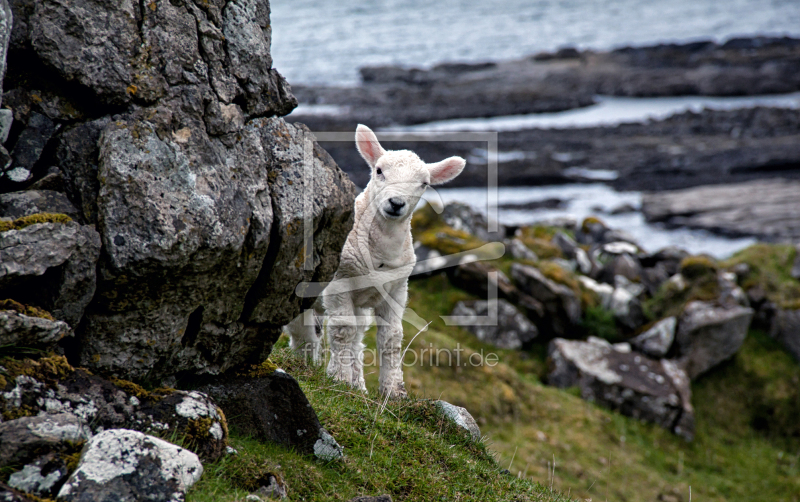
{"x":567,"y":79}
{"x":685,"y":150}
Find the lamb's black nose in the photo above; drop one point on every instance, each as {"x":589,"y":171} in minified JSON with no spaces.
{"x":397,"y":204}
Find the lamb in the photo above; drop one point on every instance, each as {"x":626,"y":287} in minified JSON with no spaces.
{"x":376,"y":261}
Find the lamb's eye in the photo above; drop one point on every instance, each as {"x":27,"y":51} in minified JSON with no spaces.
{"x":379,"y":171}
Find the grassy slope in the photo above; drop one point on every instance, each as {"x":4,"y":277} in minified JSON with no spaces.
{"x":747,"y":445}
{"x":408,"y":450}
{"x":744,"y":410}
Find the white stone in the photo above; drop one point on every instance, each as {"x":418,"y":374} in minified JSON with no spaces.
{"x":117,"y":452}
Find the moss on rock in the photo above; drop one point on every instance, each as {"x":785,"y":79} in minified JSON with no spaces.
{"x":695,"y":267}
{"x":33,"y":219}
{"x":27,"y":310}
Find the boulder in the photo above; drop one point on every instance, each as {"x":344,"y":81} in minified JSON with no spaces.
{"x":25,"y":438}
{"x":604,"y":292}
{"x":562,"y":307}
{"x":476,"y":278}
{"x":268,"y":404}
{"x":18,"y":329}
{"x":17,"y":204}
{"x":202,"y":278}
{"x":169,"y":141}
{"x":786,"y":330}
{"x":51,"y":265}
{"x":633,"y":384}
{"x":462,"y":217}
{"x":508,"y":330}
{"x":767,"y":209}
{"x":627,"y":308}
{"x":377,"y":498}
{"x":50,"y":386}
{"x":42,"y":477}
{"x":519,"y":251}
{"x":130,"y":465}
{"x":567,"y":245}
{"x":709,"y":334}
{"x":460,"y":417}
{"x":656,"y":341}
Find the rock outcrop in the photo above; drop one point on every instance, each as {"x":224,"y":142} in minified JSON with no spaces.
{"x":611,"y":375}
{"x":767,"y":209}
{"x":559,"y":81}
{"x":504,"y":326}
{"x":190,"y":196}
{"x":50,"y":386}
{"x":709,"y":334}
{"x":268,"y":404}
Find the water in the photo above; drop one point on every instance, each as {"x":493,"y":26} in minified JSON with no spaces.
{"x":610,"y":111}
{"x":584,"y":200}
{"x":326,"y":42}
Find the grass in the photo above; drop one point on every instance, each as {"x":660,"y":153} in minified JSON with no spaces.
{"x":408,"y":450}
{"x":770,"y":266}
{"x":747,"y":445}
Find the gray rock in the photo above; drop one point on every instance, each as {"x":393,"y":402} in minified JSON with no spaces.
{"x":34,"y":249}
{"x":128,"y":464}
{"x":604,"y":292}
{"x":17,"y":204}
{"x":795,"y":272}
{"x":197,"y":196}
{"x":43,"y":477}
{"x":34,"y":332}
{"x":562,"y":308}
{"x":708,"y":334}
{"x":627,"y":308}
{"x":6,"y":118}
{"x":272,"y":299}
{"x":31,"y":142}
{"x":767,"y":209}
{"x":786,"y":330}
{"x":25,"y":438}
{"x":656,"y":341}
{"x":77,"y":152}
{"x":508,"y":330}
{"x":633,"y":384}
{"x":57,"y":258}
{"x":477,"y":277}
{"x":6,"y":21}
{"x":461,"y":417}
{"x":274,"y":489}
{"x":463,"y":217}
{"x":273,"y":408}
{"x":567,"y":245}
{"x":519,"y":251}
{"x":378,"y":498}
{"x":102,"y":405}
{"x":8,"y":494}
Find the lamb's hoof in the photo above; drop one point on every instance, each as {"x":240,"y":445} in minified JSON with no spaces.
{"x":397,"y":391}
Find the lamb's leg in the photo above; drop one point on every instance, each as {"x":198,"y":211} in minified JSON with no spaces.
{"x":344,"y":337}
{"x":304,"y":337}
{"x":390,"y":343}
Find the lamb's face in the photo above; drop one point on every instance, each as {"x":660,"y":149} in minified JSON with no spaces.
{"x":399,"y":178}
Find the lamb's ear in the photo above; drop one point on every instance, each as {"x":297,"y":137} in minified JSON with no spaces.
{"x":367,"y":144}
{"x":444,"y":171}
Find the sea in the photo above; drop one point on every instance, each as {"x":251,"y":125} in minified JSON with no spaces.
{"x":325,"y":43}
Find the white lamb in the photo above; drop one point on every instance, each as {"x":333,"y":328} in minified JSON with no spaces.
{"x":376,"y":260}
